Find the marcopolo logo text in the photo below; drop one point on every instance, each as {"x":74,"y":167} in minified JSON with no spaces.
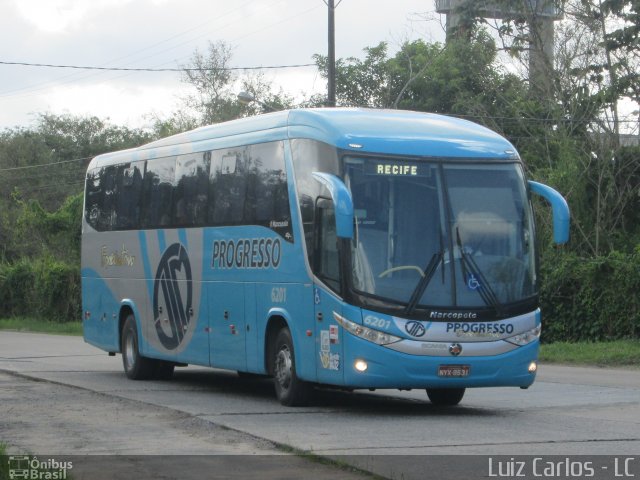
{"x":436,"y":315}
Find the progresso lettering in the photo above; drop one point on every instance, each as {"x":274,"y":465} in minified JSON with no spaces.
{"x":480,"y":328}
{"x":246,"y":253}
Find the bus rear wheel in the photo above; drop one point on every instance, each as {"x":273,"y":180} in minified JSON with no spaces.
{"x":163,"y":370}
{"x":290,"y":390}
{"x":136,"y":367}
{"x":445,"y":397}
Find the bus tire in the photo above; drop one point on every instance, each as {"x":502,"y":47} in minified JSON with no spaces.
{"x":136,"y":367}
{"x":290,"y":390}
{"x":163,"y":370}
{"x":445,"y":397}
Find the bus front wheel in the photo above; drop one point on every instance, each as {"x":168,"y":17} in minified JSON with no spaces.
{"x":290,"y":390}
{"x":445,"y":397}
{"x":136,"y":367}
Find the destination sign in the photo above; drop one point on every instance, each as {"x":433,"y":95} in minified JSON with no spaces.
{"x":397,"y":169}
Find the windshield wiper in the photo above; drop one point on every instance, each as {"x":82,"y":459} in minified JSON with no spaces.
{"x":483,"y":286}
{"x":429,"y":272}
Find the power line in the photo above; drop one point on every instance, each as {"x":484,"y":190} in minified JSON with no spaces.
{"x":73,"y":77}
{"x":27,"y":178}
{"x":126,"y":69}
{"x":47,"y":187}
{"x":26,"y":167}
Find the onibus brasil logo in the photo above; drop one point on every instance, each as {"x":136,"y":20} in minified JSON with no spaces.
{"x":32,"y":468}
{"x":172,"y":296}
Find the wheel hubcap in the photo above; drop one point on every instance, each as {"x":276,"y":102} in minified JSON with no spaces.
{"x":129,"y":351}
{"x":283,"y":367}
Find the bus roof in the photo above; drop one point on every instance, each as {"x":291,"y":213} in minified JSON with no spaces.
{"x":360,"y":130}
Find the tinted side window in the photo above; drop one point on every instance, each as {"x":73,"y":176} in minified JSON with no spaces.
{"x":248,"y":186}
{"x":228,"y":187}
{"x":108,"y":177}
{"x":159,"y":180}
{"x":93,"y":198}
{"x":311,"y":156}
{"x":191,"y":192}
{"x":128,"y":195}
{"x":236,"y":186}
{"x":268,"y":195}
{"x":326,"y":261}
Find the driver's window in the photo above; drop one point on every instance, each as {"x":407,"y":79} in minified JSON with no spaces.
{"x":327,"y":262}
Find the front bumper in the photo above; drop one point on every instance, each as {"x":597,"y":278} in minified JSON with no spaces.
{"x":387,"y":368}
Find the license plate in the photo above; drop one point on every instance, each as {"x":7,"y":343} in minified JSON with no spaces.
{"x":455,"y":371}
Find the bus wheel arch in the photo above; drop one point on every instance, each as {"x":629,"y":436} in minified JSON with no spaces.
{"x":274,"y":325}
{"x":136,"y":366}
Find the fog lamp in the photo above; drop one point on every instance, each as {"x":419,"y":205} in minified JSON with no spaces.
{"x":361,"y":365}
{"x":533,"y":367}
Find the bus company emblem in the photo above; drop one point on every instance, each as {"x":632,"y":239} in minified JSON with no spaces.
{"x":415,"y":329}
{"x":455,"y":349}
{"x":172,"y":288}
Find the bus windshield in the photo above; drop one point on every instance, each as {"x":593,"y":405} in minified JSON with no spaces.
{"x":441,"y":235}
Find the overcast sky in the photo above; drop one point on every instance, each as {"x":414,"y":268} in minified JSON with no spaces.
{"x":164,"y":34}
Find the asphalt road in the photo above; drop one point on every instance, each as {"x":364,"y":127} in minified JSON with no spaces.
{"x":83,"y":404}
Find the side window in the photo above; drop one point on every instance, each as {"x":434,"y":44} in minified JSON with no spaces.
{"x":108,"y":176}
{"x":234,"y":186}
{"x":309,"y":156}
{"x":227,"y":188}
{"x":93,"y":198}
{"x":268,"y":195}
{"x":129,"y":191}
{"x":326,"y":262}
{"x":158,"y":184}
{"x":248,"y":186}
{"x":191,"y":192}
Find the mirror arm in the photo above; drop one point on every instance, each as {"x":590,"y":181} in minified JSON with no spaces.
{"x":342,"y":201}
{"x":561,"y":215}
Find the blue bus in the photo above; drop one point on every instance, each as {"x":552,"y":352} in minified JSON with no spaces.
{"x":348,"y":248}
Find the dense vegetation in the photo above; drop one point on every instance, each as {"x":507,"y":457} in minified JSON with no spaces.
{"x":568,"y":136}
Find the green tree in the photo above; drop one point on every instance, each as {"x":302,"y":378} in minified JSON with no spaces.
{"x":56,"y":234}
{"x":47,"y":163}
{"x":461,"y":78}
{"x":216,"y":86}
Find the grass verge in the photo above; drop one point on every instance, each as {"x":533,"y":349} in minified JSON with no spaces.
{"x":617,"y":353}
{"x":21,"y":324}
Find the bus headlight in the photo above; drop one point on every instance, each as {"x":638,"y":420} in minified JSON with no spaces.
{"x":375,"y":336}
{"x":525,"y":338}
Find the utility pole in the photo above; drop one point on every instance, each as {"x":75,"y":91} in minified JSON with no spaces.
{"x":331,"y":55}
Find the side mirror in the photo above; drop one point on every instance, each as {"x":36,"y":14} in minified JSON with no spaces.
{"x":560,"y":209}
{"x":342,"y":201}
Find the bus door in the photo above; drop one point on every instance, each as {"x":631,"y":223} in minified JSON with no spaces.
{"x":327,"y":269}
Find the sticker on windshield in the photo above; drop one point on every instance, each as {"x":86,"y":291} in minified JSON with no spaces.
{"x":472,"y":282}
